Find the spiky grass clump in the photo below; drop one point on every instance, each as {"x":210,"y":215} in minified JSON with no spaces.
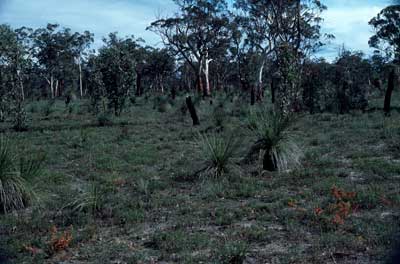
{"x":218,"y":152}
{"x":275,"y":145}
{"x":90,"y":202}
{"x":15,"y":190}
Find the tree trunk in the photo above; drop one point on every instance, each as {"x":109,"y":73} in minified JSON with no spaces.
{"x":260,"y":82}
{"x":273,"y":88}
{"x":388,"y":96}
{"x":200,"y":87}
{"x":173,"y":93}
{"x":207,"y":90}
{"x":80,"y":77}
{"x":21,"y":83}
{"x":192,"y":111}
{"x":252,"y":96}
{"x":56,"y":89}
{"x":343,"y":104}
{"x":138,"y":84}
{"x":52,"y":86}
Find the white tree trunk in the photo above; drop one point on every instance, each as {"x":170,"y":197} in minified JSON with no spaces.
{"x":207,"y":75}
{"x":260,"y":80}
{"x":52,"y":86}
{"x":21,"y":83}
{"x":56,"y":89}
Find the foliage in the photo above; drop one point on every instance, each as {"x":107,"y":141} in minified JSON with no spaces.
{"x":387,"y":31}
{"x":114,"y":73}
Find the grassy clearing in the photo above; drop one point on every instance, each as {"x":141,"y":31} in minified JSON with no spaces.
{"x":125,"y":192}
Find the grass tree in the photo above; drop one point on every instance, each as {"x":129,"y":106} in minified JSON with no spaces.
{"x":15,"y":172}
{"x":275,"y":145}
{"x":218,"y":152}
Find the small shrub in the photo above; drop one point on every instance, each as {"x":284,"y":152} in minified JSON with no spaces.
{"x":233,"y":253}
{"x":219,"y":115}
{"x":59,"y":241}
{"x":19,"y":118}
{"x":48,"y":108}
{"x":162,"y":104}
{"x":103,"y":120}
{"x":218,"y":152}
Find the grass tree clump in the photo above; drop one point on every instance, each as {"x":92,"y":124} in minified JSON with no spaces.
{"x":15,"y":190}
{"x":275,"y":145}
{"x":218,"y":152}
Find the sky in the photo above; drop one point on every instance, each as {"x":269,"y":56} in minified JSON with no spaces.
{"x":346,"y":19}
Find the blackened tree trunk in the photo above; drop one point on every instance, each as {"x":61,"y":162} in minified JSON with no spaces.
{"x":343,"y":104}
{"x":173,"y":93}
{"x":138,"y":84}
{"x":192,"y":111}
{"x":272,"y":91}
{"x":252,"y":96}
{"x":269,"y":162}
{"x":388,"y":96}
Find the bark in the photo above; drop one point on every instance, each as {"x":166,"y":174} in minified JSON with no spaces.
{"x":173,"y":93}
{"x":273,"y":89}
{"x":56,"y":89}
{"x":200,"y":87}
{"x":138,"y":84}
{"x":207,"y":91}
{"x":260,"y":82}
{"x":21,"y":83}
{"x":389,"y":91}
{"x":192,"y":111}
{"x":51,"y":83}
{"x":252,"y":96}
{"x":80,"y":77}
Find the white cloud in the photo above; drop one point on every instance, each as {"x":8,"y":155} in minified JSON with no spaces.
{"x":348,"y":21}
{"x":100,"y":17}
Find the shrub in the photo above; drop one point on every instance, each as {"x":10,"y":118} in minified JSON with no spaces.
{"x":19,"y":117}
{"x":48,"y":108}
{"x":218,"y":152}
{"x":162,"y":104}
{"x":103,"y":119}
{"x":233,"y":252}
{"x":219,"y":115}
{"x":15,"y":190}
{"x":275,"y":145}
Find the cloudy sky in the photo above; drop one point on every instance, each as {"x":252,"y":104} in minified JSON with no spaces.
{"x":346,"y":19}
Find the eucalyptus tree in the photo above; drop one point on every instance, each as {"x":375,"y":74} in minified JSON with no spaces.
{"x":160,"y":67}
{"x":387,"y":31}
{"x":195,"y":33}
{"x":14,"y":64}
{"x":58,"y":52}
{"x":284,"y":31}
{"x":113,"y":72}
{"x":387,"y":38}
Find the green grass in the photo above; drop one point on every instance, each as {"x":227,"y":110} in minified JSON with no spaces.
{"x":134,"y":180}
